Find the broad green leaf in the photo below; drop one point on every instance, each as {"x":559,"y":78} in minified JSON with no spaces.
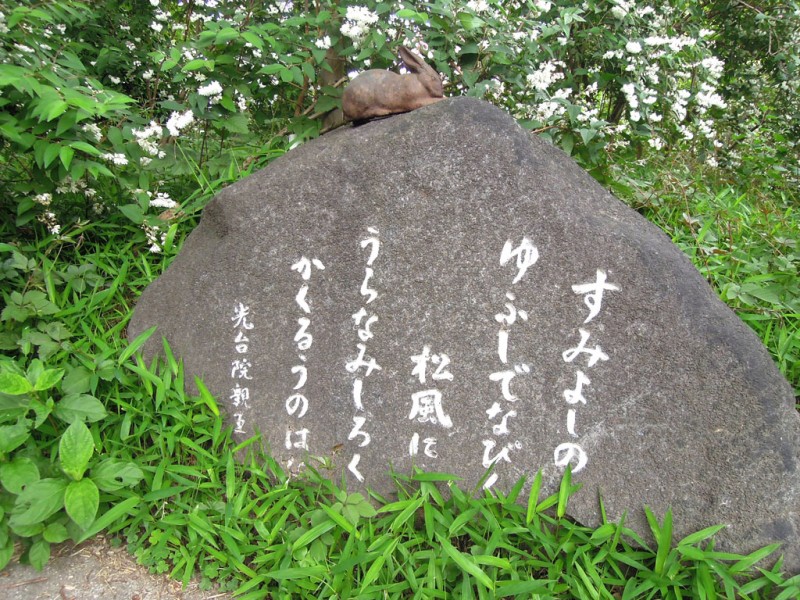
{"x":6,"y":552}
{"x":39,"y":554}
{"x":37,"y":502}
{"x":66,"y":154}
{"x":470,"y":21}
{"x":84,"y":147}
{"x":80,"y":407}
{"x":75,"y":449}
{"x":13,"y":436}
{"x":112,"y":474}
{"x":111,"y":517}
{"x":18,"y":473}
{"x":133,"y":212}
{"x":55,"y":533}
{"x":13,"y":384}
{"x":81,"y":500}
{"x":48,"y":379}
{"x":77,"y":380}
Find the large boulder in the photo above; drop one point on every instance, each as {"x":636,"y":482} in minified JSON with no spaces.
{"x":442,"y":289}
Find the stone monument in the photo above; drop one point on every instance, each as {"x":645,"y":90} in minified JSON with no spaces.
{"x":442,"y":289}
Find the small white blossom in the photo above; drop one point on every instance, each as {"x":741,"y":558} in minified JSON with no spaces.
{"x":156,"y":26}
{"x":323,"y":43}
{"x":178,"y":121}
{"x":93,"y":130}
{"x":162,"y":200}
{"x":633,"y":47}
{"x":211,"y":89}
{"x":43,"y":199}
{"x":117,"y":159}
{"x":478,"y":6}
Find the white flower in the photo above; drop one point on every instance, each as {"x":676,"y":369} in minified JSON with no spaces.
{"x":92,"y":130}
{"x":147,"y":74}
{"x":635,"y":116}
{"x":323,"y":43}
{"x":543,"y":5}
{"x":156,"y":26}
{"x":545,"y":75}
{"x":178,"y":121}
{"x":714,"y":66}
{"x":656,"y":143}
{"x":211,"y":89}
{"x":357,"y":21}
{"x":43,"y":199}
{"x":162,"y":200}
{"x":114,"y":80}
{"x":117,"y":159}
{"x":633,"y":47}
{"x":154,"y":2}
{"x":478,"y":6}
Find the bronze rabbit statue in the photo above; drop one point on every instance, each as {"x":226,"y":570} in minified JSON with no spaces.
{"x":377,"y":93}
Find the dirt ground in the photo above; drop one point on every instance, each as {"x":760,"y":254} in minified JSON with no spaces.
{"x":94,"y":571}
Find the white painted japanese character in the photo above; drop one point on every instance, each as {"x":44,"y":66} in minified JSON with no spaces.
{"x":375,"y":243}
{"x":365,"y":289}
{"x":303,"y":266}
{"x":240,"y":422}
{"x":594,"y":293}
{"x":364,"y":333}
{"x":362,"y":361}
{"x":239,"y":318}
{"x":513,"y":313}
{"x":488,"y":446}
{"x":576,"y":395}
{"x":421,"y":365}
{"x":301,"y":299}
{"x":595,"y":353}
{"x":301,"y":443}
{"x":302,"y":337}
{"x":356,"y":431}
{"x":241,"y":343}
{"x":239,"y":369}
{"x":502,"y":427}
{"x":302,"y":371}
{"x":505,"y":378}
{"x":353,"y":467}
{"x":358,"y":384}
{"x":567,"y":453}
{"x":427,"y":408}
{"x":429,"y":450}
{"x":240,"y":396}
{"x":571,"y":422}
{"x":297,"y":402}
{"x":526,"y":255}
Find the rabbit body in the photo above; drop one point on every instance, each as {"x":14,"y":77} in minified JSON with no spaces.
{"x":377,"y":93}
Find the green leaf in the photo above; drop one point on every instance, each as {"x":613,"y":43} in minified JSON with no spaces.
{"x":39,"y":554}
{"x":6,"y":553}
{"x":110,"y":517}
{"x":48,"y":379}
{"x":13,"y":384}
{"x":81,"y":501}
{"x":84,"y":147}
{"x":77,"y":380}
{"x":135,"y":345}
{"x":133,"y":212}
{"x":206,"y":396}
{"x":112,"y":474}
{"x":66,"y":154}
{"x":470,"y":21}
{"x":37,"y":502}
{"x":80,"y":407}
{"x":55,"y":533}
{"x":13,"y":436}
{"x":465,"y":563}
{"x":18,"y":474}
{"x":75,"y":449}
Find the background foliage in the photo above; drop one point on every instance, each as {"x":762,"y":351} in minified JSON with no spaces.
{"x":119,"y":120}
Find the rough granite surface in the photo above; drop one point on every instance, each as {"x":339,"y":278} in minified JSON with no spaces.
{"x":442,"y":289}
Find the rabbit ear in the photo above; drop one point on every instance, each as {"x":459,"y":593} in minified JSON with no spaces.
{"x":412,"y":62}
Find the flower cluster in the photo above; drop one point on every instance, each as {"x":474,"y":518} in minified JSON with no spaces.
{"x":357,"y":22}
